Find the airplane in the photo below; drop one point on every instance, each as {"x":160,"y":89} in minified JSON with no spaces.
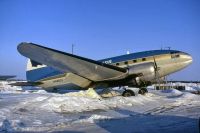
{"x":6,"y":77}
{"x":52,"y":69}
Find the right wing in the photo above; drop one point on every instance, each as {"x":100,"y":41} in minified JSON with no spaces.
{"x":6,"y":77}
{"x":26,"y":83}
{"x":65,"y":62}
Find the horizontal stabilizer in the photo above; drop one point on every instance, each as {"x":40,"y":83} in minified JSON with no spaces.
{"x":25,"y":84}
{"x":65,"y":62}
{"x":6,"y":77}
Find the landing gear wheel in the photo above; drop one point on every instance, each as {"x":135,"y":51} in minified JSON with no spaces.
{"x":143,"y":91}
{"x":128,"y":93}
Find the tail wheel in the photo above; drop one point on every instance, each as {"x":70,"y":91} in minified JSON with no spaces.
{"x":143,"y":91}
{"x":128,"y":93}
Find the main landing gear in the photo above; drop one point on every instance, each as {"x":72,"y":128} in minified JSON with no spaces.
{"x":129,"y":92}
{"x":142,"y":91}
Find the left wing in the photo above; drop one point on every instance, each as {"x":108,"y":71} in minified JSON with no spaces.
{"x":26,"y":83}
{"x":65,"y":62}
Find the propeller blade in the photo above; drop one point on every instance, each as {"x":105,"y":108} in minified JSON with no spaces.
{"x":155,"y":64}
{"x":157,"y":77}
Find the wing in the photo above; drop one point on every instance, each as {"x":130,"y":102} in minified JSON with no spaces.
{"x":65,"y":62}
{"x":65,"y":80}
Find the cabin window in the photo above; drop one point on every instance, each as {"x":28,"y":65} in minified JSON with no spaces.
{"x":134,"y":61}
{"x":117,"y":64}
{"x":143,"y":59}
{"x":126,"y":62}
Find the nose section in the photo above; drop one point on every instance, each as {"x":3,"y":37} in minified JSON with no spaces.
{"x":186,"y":59}
{"x":189,"y":59}
{"x":179,"y":61}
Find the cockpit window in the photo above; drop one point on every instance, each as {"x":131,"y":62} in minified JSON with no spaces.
{"x":175,"y":56}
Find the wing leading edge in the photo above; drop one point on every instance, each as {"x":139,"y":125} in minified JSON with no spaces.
{"x":65,"y":62}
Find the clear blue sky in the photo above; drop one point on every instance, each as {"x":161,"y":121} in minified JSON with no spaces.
{"x":100,"y":29}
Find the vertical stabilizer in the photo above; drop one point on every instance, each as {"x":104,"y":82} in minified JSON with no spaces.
{"x":32,"y":65}
{"x":33,"y":72}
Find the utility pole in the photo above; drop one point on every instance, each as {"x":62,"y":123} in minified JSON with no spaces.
{"x":73,"y":48}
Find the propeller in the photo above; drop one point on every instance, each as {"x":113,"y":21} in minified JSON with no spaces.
{"x":156,"y":68}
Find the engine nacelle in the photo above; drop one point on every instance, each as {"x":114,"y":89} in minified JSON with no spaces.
{"x":145,"y":71}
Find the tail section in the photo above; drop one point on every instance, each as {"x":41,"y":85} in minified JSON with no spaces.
{"x":33,"y":70}
{"x":31,"y":65}
{"x":36,"y":71}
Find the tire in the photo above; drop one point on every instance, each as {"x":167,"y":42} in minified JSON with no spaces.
{"x":143,"y":91}
{"x":128,"y":93}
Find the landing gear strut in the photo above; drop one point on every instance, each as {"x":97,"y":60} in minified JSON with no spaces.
{"x":128,"y":93}
{"x":143,"y":91}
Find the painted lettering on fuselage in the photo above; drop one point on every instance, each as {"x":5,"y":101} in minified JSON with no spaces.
{"x":107,"y":61}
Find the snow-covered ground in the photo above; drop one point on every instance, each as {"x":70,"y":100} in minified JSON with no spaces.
{"x":32,"y":110}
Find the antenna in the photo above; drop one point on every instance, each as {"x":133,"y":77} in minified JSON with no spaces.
{"x":73,"y":48}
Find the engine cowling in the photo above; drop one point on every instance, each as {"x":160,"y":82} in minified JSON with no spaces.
{"x":145,"y":71}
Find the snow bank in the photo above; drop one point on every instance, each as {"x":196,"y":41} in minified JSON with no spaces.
{"x":166,"y":93}
{"x":6,"y":88}
{"x":41,"y":111}
{"x":172,"y":91}
{"x":72,"y":104}
{"x":91,"y":93}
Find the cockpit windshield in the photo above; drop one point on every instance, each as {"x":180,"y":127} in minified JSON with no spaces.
{"x":175,"y":54}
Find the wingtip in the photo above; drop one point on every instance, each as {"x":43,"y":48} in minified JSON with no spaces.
{"x":22,"y":46}
{"x":19,"y":47}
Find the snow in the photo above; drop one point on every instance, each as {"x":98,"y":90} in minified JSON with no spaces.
{"x":35,"y":110}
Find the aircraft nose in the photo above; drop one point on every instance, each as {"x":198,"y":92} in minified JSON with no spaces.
{"x":187,"y":59}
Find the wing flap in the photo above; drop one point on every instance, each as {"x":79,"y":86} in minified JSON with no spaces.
{"x":65,"y":79}
{"x":65,"y":62}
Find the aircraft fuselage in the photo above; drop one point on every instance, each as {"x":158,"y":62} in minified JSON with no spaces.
{"x":141,"y":63}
